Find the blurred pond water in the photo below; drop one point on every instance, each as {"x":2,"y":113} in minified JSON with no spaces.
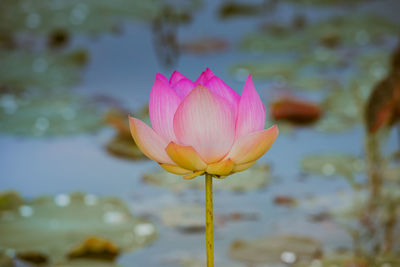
{"x":326,"y":193}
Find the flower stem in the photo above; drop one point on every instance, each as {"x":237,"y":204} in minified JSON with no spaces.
{"x":209,"y":221}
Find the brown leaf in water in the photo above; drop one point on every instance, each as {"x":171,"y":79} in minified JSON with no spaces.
{"x":285,"y":201}
{"x":33,"y":257}
{"x":295,"y":111}
{"x":383,"y":105}
{"x":205,"y":45}
{"x":95,"y":247}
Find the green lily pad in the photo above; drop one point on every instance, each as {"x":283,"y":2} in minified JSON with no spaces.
{"x":341,"y":111}
{"x":48,"y":114}
{"x":87,"y":263}
{"x":186,"y":217}
{"x":254,"y":178}
{"x":333,"y":165}
{"x":355,"y":30}
{"x":327,"y":2}
{"x":288,"y":249}
{"x":123,"y":145}
{"x":80,"y":16}
{"x":271,"y":70}
{"x":10,"y":200}
{"x":44,"y":70}
{"x":54,"y":226}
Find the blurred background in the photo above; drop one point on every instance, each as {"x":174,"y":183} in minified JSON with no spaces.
{"x":76,"y":191}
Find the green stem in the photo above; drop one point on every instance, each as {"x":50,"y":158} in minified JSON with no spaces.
{"x":209,"y":221}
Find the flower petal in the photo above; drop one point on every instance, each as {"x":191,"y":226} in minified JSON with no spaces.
{"x":223,"y":167}
{"x":252,"y":146}
{"x":163,"y":103}
{"x":206,"y":122}
{"x":193,"y":175}
{"x":204,"y":77}
{"x":175,"y":169}
{"x":242,"y":167}
{"x":251,"y":112}
{"x":185,"y":157}
{"x":183,"y":87}
{"x":219,"y":87}
{"x":176,"y":77}
{"x":148,"y":141}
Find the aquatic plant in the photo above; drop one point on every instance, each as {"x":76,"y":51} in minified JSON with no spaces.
{"x":203,"y":127}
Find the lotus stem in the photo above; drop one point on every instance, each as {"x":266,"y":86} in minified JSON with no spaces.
{"x":209,"y":221}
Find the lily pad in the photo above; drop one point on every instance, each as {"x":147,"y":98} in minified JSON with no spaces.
{"x":254,"y":178}
{"x":272,"y":70}
{"x":327,"y":2}
{"x":187,"y":217}
{"x":87,"y":263}
{"x":48,"y":114}
{"x":43,"y":70}
{"x":79,"y":16}
{"x":341,"y":111}
{"x":333,"y":165}
{"x":123,"y":145}
{"x":55,"y":226}
{"x":274,"y":250}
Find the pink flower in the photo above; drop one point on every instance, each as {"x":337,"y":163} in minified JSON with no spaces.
{"x":203,"y":126}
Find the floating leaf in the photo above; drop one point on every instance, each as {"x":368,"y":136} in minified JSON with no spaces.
{"x":55,"y":226}
{"x":188,"y":217}
{"x":122,"y":145}
{"x":254,"y":178}
{"x":75,"y":15}
{"x":94,"y":247}
{"x":10,"y":200}
{"x":333,"y":165}
{"x":277,"y":70}
{"x":274,"y":250}
{"x":340,"y":111}
{"x":295,"y":111}
{"x":43,"y":70}
{"x":48,"y":114}
{"x":327,"y":2}
{"x":87,"y":263}
{"x":204,"y":45}
{"x":383,"y":105}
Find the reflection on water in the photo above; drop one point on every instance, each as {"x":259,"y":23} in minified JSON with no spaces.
{"x":329,"y":195}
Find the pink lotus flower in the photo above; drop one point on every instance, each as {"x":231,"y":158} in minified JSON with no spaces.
{"x":203,"y":126}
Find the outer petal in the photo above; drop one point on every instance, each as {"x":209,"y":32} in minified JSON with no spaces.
{"x":148,"y":141}
{"x":251,"y":113}
{"x":193,"y":175}
{"x":175,"y":169}
{"x":163,"y":103}
{"x":217,"y":86}
{"x":242,"y":167}
{"x":176,"y":77}
{"x":252,"y":146}
{"x":183,"y":87}
{"x":205,"y":121}
{"x":204,"y":77}
{"x":223,"y":167}
{"x":185,"y":156}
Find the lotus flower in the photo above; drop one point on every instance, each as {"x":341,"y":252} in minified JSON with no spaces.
{"x":203,"y":126}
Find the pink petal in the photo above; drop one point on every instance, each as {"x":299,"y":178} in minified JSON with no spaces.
{"x":183,"y":87}
{"x":204,"y":77}
{"x":251,"y":111}
{"x":176,"y":77}
{"x":163,"y":103}
{"x":252,"y":146}
{"x":219,"y":87}
{"x":149,"y":142}
{"x":161,"y":77}
{"x":206,"y":122}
